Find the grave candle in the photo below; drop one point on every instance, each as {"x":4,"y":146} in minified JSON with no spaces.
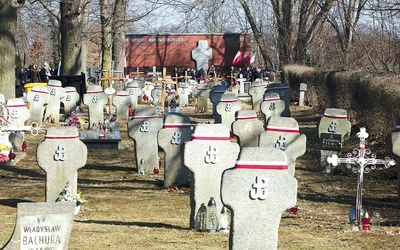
{"x":224,"y":221}
{"x":211,"y":216}
{"x":11,"y":155}
{"x":366,"y":222}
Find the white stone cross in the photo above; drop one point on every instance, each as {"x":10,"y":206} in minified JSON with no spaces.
{"x":122,"y":100}
{"x":37,"y":98}
{"x":201,"y":54}
{"x":56,"y":92}
{"x":70,"y":100}
{"x":95,"y":99}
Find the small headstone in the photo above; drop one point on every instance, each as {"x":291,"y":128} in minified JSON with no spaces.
{"x":201,"y":54}
{"x":247,"y":128}
{"x":134,"y":91}
{"x":258,"y":190}
{"x":272,"y":105}
{"x":333,"y":129}
{"x":215,"y":96}
{"x":285,"y":93}
{"x":201,"y":94}
{"x":56,"y":92}
{"x":147,"y":89}
{"x":42,"y":225}
{"x":60,"y":155}
{"x":70,"y":100}
{"x":156,"y":94}
{"x":283,"y":133}
{"x":183,"y":92}
{"x":121,"y":101}
{"x":227,"y":108}
{"x":171,"y":139}
{"x":17,"y":111}
{"x":95,"y":99}
{"x":207,"y":156}
{"x":256,"y":91}
{"x":37,"y":98}
{"x":303,"y":88}
{"x":143,"y":128}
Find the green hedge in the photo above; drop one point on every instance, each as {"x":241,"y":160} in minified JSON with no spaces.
{"x":371,"y":100}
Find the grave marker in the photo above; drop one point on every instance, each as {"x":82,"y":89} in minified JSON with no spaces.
{"x":17,"y":111}
{"x":183,"y":92}
{"x":258,"y":190}
{"x":303,"y":88}
{"x":37,"y":98}
{"x":247,"y":128}
{"x":56,"y":92}
{"x":201,"y":94}
{"x":143,"y":128}
{"x":121,"y":101}
{"x":156,"y":94}
{"x":202,"y":54}
{"x":60,"y":155}
{"x":215,"y":96}
{"x":256,"y":91}
{"x":95,"y":99}
{"x":272,"y":105}
{"x":283,"y":133}
{"x":207,"y":156}
{"x":70,"y":100}
{"x":134,"y":91}
{"x":333,"y":130}
{"x":395,"y":148}
{"x":171,"y":139}
{"x":42,"y":225}
{"x":227,"y":108}
{"x":149,"y":86}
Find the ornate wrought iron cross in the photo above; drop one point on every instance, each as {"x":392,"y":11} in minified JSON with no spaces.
{"x":361,"y":161}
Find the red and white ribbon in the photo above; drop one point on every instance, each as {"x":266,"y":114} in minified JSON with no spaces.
{"x":261,"y":165}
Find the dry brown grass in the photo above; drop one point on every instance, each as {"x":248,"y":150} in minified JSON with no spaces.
{"x":129,"y":211}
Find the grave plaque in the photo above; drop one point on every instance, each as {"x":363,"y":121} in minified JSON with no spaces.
{"x":171,"y":139}
{"x":42,"y":225}
{"x":143,"y":129}
{"x":207,"y":156}
{"x":334,"y":122}
{"x":60,"y":155}
{"x":258,"y":190}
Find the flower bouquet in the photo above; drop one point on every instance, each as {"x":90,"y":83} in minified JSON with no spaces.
{"x":67,"y":195}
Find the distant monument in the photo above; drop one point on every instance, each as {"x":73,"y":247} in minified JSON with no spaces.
{"x":201,"y":54}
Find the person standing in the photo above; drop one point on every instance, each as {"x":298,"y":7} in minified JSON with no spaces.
{"x":45,"y":72}
{"x":34,"y":74}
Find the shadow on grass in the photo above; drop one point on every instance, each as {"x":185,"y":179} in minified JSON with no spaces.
{"x":12,"y":202}
{"x":24,"y":172}
{"x":107,"y":168}
{"x":133,"y":223}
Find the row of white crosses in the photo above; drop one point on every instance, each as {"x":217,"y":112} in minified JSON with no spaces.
{"x":361,"y":161}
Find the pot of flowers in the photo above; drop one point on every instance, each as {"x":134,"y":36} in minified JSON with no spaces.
{"x":67,"y":195}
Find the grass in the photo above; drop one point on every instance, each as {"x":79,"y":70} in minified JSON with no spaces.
{"x":130,"y":211}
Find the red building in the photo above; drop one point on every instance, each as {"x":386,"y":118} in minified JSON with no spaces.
{"x":170,"y":50}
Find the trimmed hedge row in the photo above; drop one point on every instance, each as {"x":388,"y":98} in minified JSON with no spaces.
{"x":371,"y":100}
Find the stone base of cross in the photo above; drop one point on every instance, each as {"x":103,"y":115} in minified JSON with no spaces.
{"x":361,"y":161}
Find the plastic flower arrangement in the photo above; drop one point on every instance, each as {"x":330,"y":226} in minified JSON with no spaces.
{"x":74,"y":120}
{"x":67,"y":195}
{"x":4,"y":152}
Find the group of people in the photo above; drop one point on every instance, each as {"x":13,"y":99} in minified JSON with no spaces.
{"x":32,"y":74}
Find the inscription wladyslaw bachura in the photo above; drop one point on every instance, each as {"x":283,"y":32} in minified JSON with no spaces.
{"x":331,"y":142}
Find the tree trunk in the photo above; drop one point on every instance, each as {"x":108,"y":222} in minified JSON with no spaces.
{"x":118,"y":47}
{"x":106,"y":36}
{"x":73,"y":43}
{"x":8,"y":28}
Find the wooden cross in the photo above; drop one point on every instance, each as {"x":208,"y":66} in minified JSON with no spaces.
{"x":109,"y":90}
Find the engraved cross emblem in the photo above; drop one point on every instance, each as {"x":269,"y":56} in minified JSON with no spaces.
{"x":333,"y":127}
{"x":68,"y":98}
{"x":144,"y":127}
{"x":281,"y":143}
{"x":228,"y":107}
{"x":247,"y":126}
{"x":211,"y":155}
{"x":258,"y":191}
{"x":14,"y":114}
{"x":176,"y":138}
{"x":95,"y":99}
{"x":36,"y":97}
{"x":60,"y":153}
{"x":272,"y":106}
{"x":53,"y":91}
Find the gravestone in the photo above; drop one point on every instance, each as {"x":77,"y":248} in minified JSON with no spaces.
{"x":227,"y":108}
{"x":285,"y":93}
{"x":171,"y":139}
{"x":303,"y":88}
{"x":156,"y":94}
{"x":42,"y":225}
{"x":256,"y":91}
{"x":283,"y":133}
{"x":17,"y":111}
{"x":146,"y":94}
{"x":60,"y":155}
{"x":272,"y":105}
{"x":207,"y":156}
{"x":134,"y":91}
{"x":247,"y":128}
{"x":37,"y":98}
{"x":70,"y":100}
{"x":395,"y":148}
{"x":183,"y":92}
{"x":56,"y":92}
{"x":215,"y":96}
{"x":202,"y":54}
{"x":235,"y":89}
{"x":143,"y":128}
{"x":201,"y":94}
{"x":95,"y":99}
{"x":333,"y":130}
{"x":121,"y":101}
{"x":258,"y":190}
